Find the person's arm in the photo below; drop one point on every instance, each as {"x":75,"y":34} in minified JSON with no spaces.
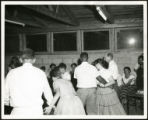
{"x":48,"y":109}
{"x":9,"y":78}
{"x":47,"y":90}
{"x":111,"y":82}
{"x":132,"y":78}
{"x":75,"y":74}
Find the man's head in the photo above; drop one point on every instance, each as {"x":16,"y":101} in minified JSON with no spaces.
{"x":140,"y":60}
{"x":28,"y":56}
{"x":52,"y":66}
{"x":84,"y":56}
{"x":56,"y":72}
{"x":73,"y":66}
{"x":127,"y":71}
{"x":62,"y":67}
{"x":109,"y":57}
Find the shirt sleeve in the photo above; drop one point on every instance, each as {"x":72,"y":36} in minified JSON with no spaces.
{"x":9,"y":78}
{"x":75,"y":74}
{"x":47,"y":90}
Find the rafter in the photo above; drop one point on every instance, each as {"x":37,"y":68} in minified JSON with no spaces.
{"x":45,"y":11}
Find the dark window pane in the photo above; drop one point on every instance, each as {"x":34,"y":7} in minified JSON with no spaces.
{"x":130,"y":39}
{"x":12,"y":43}
{"x":38,"y":43}
{"x":65,"y":41}
{"x":96,"y":40}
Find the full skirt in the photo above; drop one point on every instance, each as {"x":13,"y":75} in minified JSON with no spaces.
{"x":108,"y":102}
{"x":70,"y":105}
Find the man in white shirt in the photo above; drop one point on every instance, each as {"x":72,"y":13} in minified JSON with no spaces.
{"x":113,"y":68}
{"x":86,"y":83}
{"x":24,"y":87}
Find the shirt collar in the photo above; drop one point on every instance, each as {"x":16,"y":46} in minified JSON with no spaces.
{"x":27,"y":64}
{"x":111,"y":61}
{"x":83,"y":63}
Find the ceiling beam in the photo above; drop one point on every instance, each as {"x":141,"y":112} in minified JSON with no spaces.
{"x":110,"y":18}
{"x":45,"y":11}
{"x":70,"y":14}
{"x":31,"y":23}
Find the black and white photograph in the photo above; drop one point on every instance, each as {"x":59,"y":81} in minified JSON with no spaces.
{"x":74,"y":59}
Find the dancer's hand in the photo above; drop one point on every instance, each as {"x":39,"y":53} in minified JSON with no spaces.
{"x":102,"y":85}
{"x":47,"y":110}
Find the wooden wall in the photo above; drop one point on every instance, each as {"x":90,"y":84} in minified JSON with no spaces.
{"x":123,"y":58}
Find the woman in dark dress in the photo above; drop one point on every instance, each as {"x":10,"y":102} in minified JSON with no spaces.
{"x":140,"y":75}
{"x":73,"y":80}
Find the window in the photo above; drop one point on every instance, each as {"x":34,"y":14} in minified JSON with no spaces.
{"x":12,"y":43}
{"x":37,"y":42}
{"x":96,"y":40}
{"x":130,"y":39}
{"x":65,"y":41}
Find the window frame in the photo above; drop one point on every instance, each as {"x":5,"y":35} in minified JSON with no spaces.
{"x":126,"y":49}
{"x":66,"y":52}
{"x":94,"y":30}
{"x":47,"y":41}
{"x":20,"y":44}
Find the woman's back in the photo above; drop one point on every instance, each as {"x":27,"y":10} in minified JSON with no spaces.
{"x":65,"y":87}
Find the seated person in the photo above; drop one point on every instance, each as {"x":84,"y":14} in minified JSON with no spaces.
{"x":128,"y":84}
{"x":65,"y":74}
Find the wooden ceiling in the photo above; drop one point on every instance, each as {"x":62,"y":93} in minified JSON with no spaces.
{"x":45,"y":16}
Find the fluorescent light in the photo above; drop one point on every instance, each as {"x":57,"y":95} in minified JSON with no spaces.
{"x":101,"y":13}
{"x":15,"y":22}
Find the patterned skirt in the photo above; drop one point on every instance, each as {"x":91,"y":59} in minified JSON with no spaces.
{"x":127,"y":89}
{"x":108,"y":102}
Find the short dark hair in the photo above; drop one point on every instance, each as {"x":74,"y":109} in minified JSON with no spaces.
{"x":14,"y":62}
{"x":140,"y":57}
{"x":28,"y":54}
{"x":55,"y":72}
{"x":84,"y":55}
{"x":43,"y":68}
{"x":62,"y":65}
{"x":102,"y":62}
{"x":128,"y":68}
{"x":52,"y":64}
{"x":73,"y":64}
{"x":110,"y":55}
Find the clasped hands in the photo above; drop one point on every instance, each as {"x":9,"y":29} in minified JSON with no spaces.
{"x":48,"y":109}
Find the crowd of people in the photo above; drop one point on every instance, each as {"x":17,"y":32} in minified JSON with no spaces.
{"x":88,"y":89}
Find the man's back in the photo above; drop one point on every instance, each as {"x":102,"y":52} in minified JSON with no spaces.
{"x":86,"y":75}
{"x":113,"y":68}
{"x":25,"y":86}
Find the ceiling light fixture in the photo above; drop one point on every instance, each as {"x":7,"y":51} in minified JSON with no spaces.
{"x":100,"y":11}
{"x":14,"y":22}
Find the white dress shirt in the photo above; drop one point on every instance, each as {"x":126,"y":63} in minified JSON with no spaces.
{"x":86,"y":75}
{"x":126,"y":80}
{"x":113,"y":68}
{"x":25,"y":85}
